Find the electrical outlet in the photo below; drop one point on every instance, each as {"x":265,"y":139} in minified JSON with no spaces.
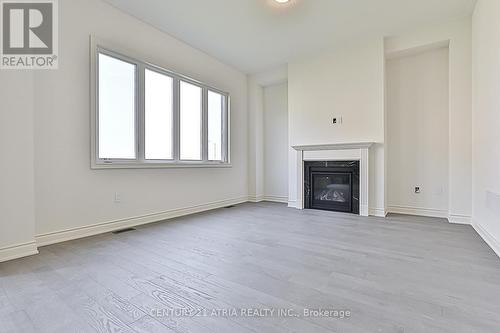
{"x":417,"y":189}
{"x":118,"y":197}
{"x":336,"y":120}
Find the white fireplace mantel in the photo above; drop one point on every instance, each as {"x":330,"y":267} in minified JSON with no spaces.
{"x":355,"y":151}
{"x":335,"y":146}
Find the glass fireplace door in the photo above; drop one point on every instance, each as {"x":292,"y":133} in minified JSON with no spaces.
{"x":331,"y":191}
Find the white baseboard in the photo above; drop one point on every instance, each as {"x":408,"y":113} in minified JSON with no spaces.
{"x":271,"y":198}
{"x":276,"y":198}
{"x":22,"y":250}
{"x":379,"y":212}
{"x":364,"y":210}
{"x":407,"y":210}
{"x":292,"y":204}
{"x":100,"y":228}
{"x":255,"y":198}
{"x":459,"y":219}
{"x":18,"y":251}
{"x":488,"y":238}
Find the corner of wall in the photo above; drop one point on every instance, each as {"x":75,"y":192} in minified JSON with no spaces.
{"x":485,"y":122}
{"x":255,"y":110}
{"x":492,"y":242}
{"x":17,"y":176}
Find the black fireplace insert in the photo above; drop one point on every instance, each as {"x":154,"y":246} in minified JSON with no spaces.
{"x":332,"y":185}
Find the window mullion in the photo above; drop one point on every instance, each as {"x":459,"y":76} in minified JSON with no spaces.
{"x":136,"y":85}
{"x":176,"y":120}
{"x":225,"y":130}
{"x":141,"y":106}
{"x":204,"y":125}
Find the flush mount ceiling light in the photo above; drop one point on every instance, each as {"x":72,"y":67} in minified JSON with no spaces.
{"x":282,"y":1}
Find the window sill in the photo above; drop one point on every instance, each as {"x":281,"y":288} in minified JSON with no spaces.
{"x":118,"y":165}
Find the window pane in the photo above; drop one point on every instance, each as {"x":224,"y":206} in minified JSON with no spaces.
{"x":116,"y":108}
{"x":190,"y":121}
{"x":158,"y":116}
{"x":215,"y":108}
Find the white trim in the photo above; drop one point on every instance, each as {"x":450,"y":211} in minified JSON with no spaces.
{"x":332,"y":155}
{"x":336,"y":152}
{"x":293,"y":204}
{"x":334,"y":146}
{"x":300,"y":180}
{"x":270,"y":198}
{"x":141,"y":63}
{"x":18,"y":251}
{"x":255,"y":198}
{"x":379,"y":212}
{"x":159,"y":165}
{"x":363,"y":209}
{"x":100,"y":228}
{"x":364,"y":181}
{"x":276,"y":198}
{"x":488,"y":238}
{"x":460,"y":219}
{"x":419,"y":211}
{"x":389,"y":55}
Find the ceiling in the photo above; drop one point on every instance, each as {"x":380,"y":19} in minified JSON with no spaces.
{"x":257,"y":35}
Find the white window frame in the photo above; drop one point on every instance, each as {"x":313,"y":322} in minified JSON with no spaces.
{"x":98,"y":46}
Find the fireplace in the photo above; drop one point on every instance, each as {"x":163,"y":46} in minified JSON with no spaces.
{"x":332,"y":185}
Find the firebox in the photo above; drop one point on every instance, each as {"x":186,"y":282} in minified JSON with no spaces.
{"x":332,"y":185}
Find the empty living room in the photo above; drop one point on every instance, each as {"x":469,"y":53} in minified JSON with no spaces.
{"x":198,"y":166}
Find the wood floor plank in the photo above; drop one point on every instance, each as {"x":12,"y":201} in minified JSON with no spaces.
{"x":147,"y":324}
{"x":17,"y":321}
{"x":399,"y":274}
{"x":437,"y":309}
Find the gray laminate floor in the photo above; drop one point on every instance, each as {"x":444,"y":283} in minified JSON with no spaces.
{"x":400,"y":274}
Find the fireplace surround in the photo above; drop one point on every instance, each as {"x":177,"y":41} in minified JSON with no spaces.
{"x":355,"y":151}
{"x":332,"y":185}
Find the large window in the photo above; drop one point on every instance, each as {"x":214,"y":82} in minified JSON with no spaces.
{"x":190,"y":106}
{"x":147,"y":116}
{"x":215,"y":125}
{"x":117,"y":100}
{"x":158,"y":116}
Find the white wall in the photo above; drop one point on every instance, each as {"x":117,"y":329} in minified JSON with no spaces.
{"x":53,"y":159}
{"x":71,"y":195}
{"x":417,"y":132}
{"x":276,"y":142}
{"x":349,"y":83}
{"x":17,"y":220}
{"x":486,"y":121}
{"x":256,"y":145}
{"x":255,"y":140}
{"x":458,"y":34}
